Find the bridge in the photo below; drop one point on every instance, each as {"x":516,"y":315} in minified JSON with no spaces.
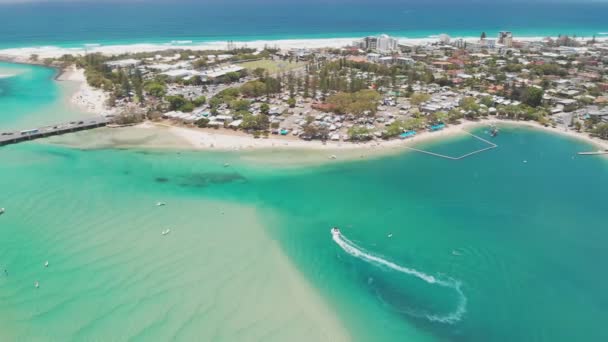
{"x":14,"y":137}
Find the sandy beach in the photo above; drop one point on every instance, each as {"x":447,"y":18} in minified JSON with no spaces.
{"x":85,"y":97}
{"x":23,"y":54}
{"x":276,"y":150}
{"x":234,"y":140}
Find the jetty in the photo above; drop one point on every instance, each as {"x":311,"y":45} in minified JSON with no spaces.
{"x":14,"y":137}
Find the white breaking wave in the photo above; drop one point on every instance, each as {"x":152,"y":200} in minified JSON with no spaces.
{"x":181,"y":42}
{"x":450,"y":318}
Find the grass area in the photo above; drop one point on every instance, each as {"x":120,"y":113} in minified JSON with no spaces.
{"x":273,"y":67}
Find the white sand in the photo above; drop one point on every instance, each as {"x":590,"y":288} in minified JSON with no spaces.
{"x":87,"y":98}
{"x":238,"y":141}
{"x":22,"y":54}
{"x":228,"y":140}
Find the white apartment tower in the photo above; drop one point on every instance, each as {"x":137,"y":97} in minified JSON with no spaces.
{"x":505,"y":38}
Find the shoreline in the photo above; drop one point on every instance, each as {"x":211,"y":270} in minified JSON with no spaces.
{"x":86,"y":98}
{"x":22,"y":54}
{"x":92,"y":101}
{"x":281,"y":152}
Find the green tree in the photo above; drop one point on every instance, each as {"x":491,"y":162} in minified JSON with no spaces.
{"x":199,"y":101}
{"x":202,"y":122}
{"x":240,"y":105}
{"x":255,"y":122}
{"x":155,"y":89}
{"x":176,"y":102}
{"x":259,"y":72}
{"x":307,"y":86}
{"x":359,"y":133}
{"x":187,"y":107}
{"x":533,"y":96}
{"x":125,"y":85}
{"x":253,"y":89}
{"x":394,"y":129}
{"x":265,"y":108}
{"x":232,"y":76}
{"x":487,"y":101}
{"x":418,"y":98}
{"x":601,"y":131}
{"x":358,"y":103}
{"x":469,"y":104}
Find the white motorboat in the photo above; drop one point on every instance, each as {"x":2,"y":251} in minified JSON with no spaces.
{"x":165,"y":232}
{"x":2,"y":211}
{"x":160,"y":204}
{"x":46,"y":263}
{"x":335,"y":231}
{"x":36,"y":285}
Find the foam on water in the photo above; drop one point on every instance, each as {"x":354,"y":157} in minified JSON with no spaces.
{"x":452,"y":317}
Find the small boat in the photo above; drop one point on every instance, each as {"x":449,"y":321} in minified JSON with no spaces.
{"x":333,"y":156}
{"x":335,"y":231}
{"x":2,"y":211}
{"x":595,"y":153}
{"x":226,"y":164}
{"x":165,"y":232}
{"x":160,"y":204}
{"x":36,"y":284}
{"x":390,"y":235}
{"x":525,"y":161}
{"x":456,"y":253}
{"x":46,"y":263}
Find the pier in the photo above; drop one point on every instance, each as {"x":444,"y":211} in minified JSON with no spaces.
{"x":14,"y":137}
{"x":491,"y":146}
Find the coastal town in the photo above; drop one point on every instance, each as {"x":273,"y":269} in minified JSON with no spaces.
{"x":376,"y":88}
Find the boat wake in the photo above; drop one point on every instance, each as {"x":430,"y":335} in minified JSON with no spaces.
{"x":450,"y":318}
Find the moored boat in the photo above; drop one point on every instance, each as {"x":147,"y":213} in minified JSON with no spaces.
{"x":595,"y":153}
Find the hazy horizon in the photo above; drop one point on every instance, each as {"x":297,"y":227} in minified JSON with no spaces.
{"x":400,"y":2}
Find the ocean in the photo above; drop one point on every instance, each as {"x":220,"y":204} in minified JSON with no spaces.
{"x":486,"y":248}
{"x":77,"y":24}
{"x":504,"y":246}
{"x":30,"y":98}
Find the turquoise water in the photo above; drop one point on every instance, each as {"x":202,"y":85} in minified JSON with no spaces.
{"x":522,"y":239}
{"x":163,"y":22}
{"x":29,"y":97}
{"x":512,"y":247}
{"x":484,"y":249}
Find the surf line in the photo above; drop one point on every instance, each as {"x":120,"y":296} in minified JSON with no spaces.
{"x":450,"y":318}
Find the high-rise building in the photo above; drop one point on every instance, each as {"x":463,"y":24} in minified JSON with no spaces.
{"x":505,"y":38}
{"x":381,"y":43}
{"x":386,"y":43}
